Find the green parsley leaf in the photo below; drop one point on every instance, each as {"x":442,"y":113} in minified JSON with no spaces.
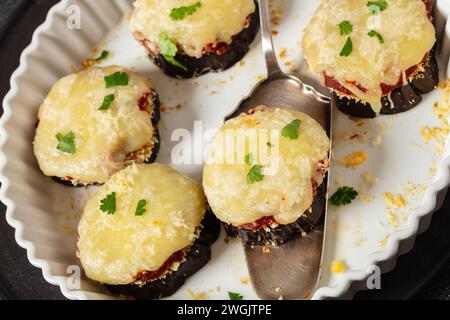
{"x":90,"y":62}
{"x":374,"y":33}
{"x":343,"y":196}
{"x":140,"y":209}
{"x":103,"y":55}
{"x":107,"y":101}
{"x":116,"y":79}
{"x":181,"y":12}
{"x":168,"y":48}
{"x":249,"y":159}
{"x":108,"y":205}
{"x":255,"y":174}
{"x":376,"y":6}
{"x":347,"y":49}
{"x":235,"y":296}
{"x":174,"y":62}
{"x":169,"y":51}
{"x":346,"y":27}
{"x":66,"y":143}
{"x":291,"y":130}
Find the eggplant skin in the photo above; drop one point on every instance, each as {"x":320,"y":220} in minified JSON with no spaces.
{"x":156,"y":117}
{"x":198,"y":256}
{"x":211,"y":62}
{"x":283,"y":233}
{"x":403,"y":99}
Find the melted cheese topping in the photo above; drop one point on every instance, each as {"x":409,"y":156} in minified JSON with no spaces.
{"x":103,"y":139}
{"x":289,"y":167}
{"x":214,"y":22}
{"x":408,"y":35}
{"x":114,"y":249}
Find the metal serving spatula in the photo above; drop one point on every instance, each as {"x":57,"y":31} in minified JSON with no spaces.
{"x":290,"y":271}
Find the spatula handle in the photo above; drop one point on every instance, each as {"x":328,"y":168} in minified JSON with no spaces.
{"x":273,"y":68}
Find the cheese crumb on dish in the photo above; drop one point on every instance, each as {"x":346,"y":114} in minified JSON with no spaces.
{"x":115,"y":248}
{"x":365,"y":198}
{"x":444,"y":85}
{"x":393,"y":219}
{"x":354,"y":160}
{"x":412,"y":190}
{"x":276,"y":13}
{"x":289,"y":166}
{"x":103,"y":138}
{"x":438,"y":133}
{"x":377,"y":141}
{"x":368,"y":181}
{"x":338,"y":267}
{"x":442,"y":111}
{"x":432,"y":171}
{"x":384,"y":241}
{"x":407,"y":32}
{"x":214,"y":22}
{"x":394,"y":200}
{"x":198,"y":295}
{"x":359,"y":240}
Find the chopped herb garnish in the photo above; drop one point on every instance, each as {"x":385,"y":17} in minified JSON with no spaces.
{"x":249,"y":160}
{"x":255,"y":174}
{"x":107,"y":101}
{"x":181,"y":12}
{"x":116,"y":79}
{"x":374,"y":33}
{"x":169,"y":50}
{"x":174,"y":62}
{"x":376,"y":6}
{"x":66,"y":143}
{"x":346,"y":27}
{"x":140,"y":209}
{"x":269,"y":145}
{"x":343,"y":196}
{"x":347,"y":49}
{"x":103,"y":55}
{"x":108,"y":204}
{"x":291,"y":130}
{"x":90,"y":62}
{"x":235,"y":296}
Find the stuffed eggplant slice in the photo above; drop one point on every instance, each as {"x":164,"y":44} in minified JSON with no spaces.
{"x":264,"y":178}
{"x":188,"y":38}
{"x":376,"y":56}
{"x":146,"y":231}
{"x":94,"y":123}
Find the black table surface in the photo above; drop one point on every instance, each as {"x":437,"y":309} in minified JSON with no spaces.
{"x":424,"y":273}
